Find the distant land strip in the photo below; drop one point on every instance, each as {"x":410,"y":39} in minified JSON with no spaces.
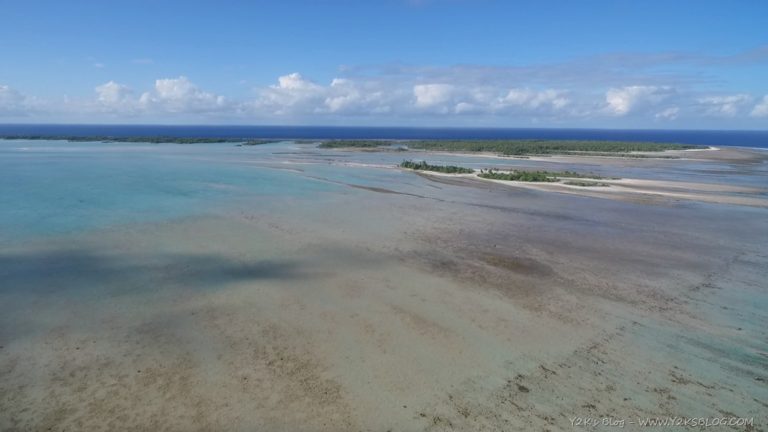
{"x":517,"y":147}
{"x":523,"y":147}
{"x":142,"y":139}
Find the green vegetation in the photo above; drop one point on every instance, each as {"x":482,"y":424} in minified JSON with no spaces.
{"x":583,"y":183}
{"x":525,"y":176}
{"x":355,"y":144}
{"x":573,"y":174}
{"x":253,"y":142}
{"x":141,"y":139}
{"x":534,"y":176}
{"x":520,"y":147}
{"x":503,"y":147}
{"x":423,"y":166}
{"x":527,"y":147}
{"x":515,"y":175}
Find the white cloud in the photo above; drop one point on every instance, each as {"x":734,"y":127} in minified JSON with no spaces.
{"x":292,"y":94}
{"x":350,"y":97}
{"x":295,"y":81}
{"x":670,"y":113}
{"x":180,"y":95}
{"x":112,"y":93}
{"x":490,"y":100}
{"x":609,"y":89}
{"x":295,"y":95}
{"x":448,"y":97}
{"x":624,"y":100}
{"x":761,"y":109}
{"x":346,"y":96}
{"x":466,"y":108}
{"x":170,"y":95}
{"x":432,"y":95}
{"x":550,"y":98}
{"x":724,"y":106}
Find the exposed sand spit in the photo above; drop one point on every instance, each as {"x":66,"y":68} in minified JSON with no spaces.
{"x":634,"y":190}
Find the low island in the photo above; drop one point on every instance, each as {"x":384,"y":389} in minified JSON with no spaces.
{"x":512,"y":148}
{"x":511,"y":175}
{"x":139,"y":139}
{"x":528,"y":147}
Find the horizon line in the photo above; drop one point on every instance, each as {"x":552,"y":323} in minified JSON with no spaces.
{"x":376,"y":127}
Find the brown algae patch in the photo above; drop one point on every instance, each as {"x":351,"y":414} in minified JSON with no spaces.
{"x":521,"y":265}
{"x":152,"y":379}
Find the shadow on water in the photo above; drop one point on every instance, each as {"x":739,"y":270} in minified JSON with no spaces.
{"x":72,"y":269}
{"x":42,"y":289}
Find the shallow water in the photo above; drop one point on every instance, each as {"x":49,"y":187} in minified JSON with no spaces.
{"x":285,"y":287}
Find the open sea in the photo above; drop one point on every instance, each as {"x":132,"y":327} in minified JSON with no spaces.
{"x":752,"y":138}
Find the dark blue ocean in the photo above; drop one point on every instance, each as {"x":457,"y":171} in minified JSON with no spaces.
{"x":704,"y":137}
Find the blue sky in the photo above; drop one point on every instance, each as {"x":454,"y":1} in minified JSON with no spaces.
{"x":644,"y":64}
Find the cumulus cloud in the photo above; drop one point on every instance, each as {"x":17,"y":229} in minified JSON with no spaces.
{"x":346,"y":96}
{"x":180,"y":95}
{"x":628,"y":89}
{"x":724,"y":106}
{"x":292,"y":94}
{"x":297,"y":96}
{"x":112,"y":93}
{"x":550,"y":98}
{"x":169,"y":95}
{"x":295,"y":81}
{"x":489,"y":100}
{"x":624,"y":100}
{"x":761,"y":109}
{"x":431,"y":95}
{"x":419,"y":98}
